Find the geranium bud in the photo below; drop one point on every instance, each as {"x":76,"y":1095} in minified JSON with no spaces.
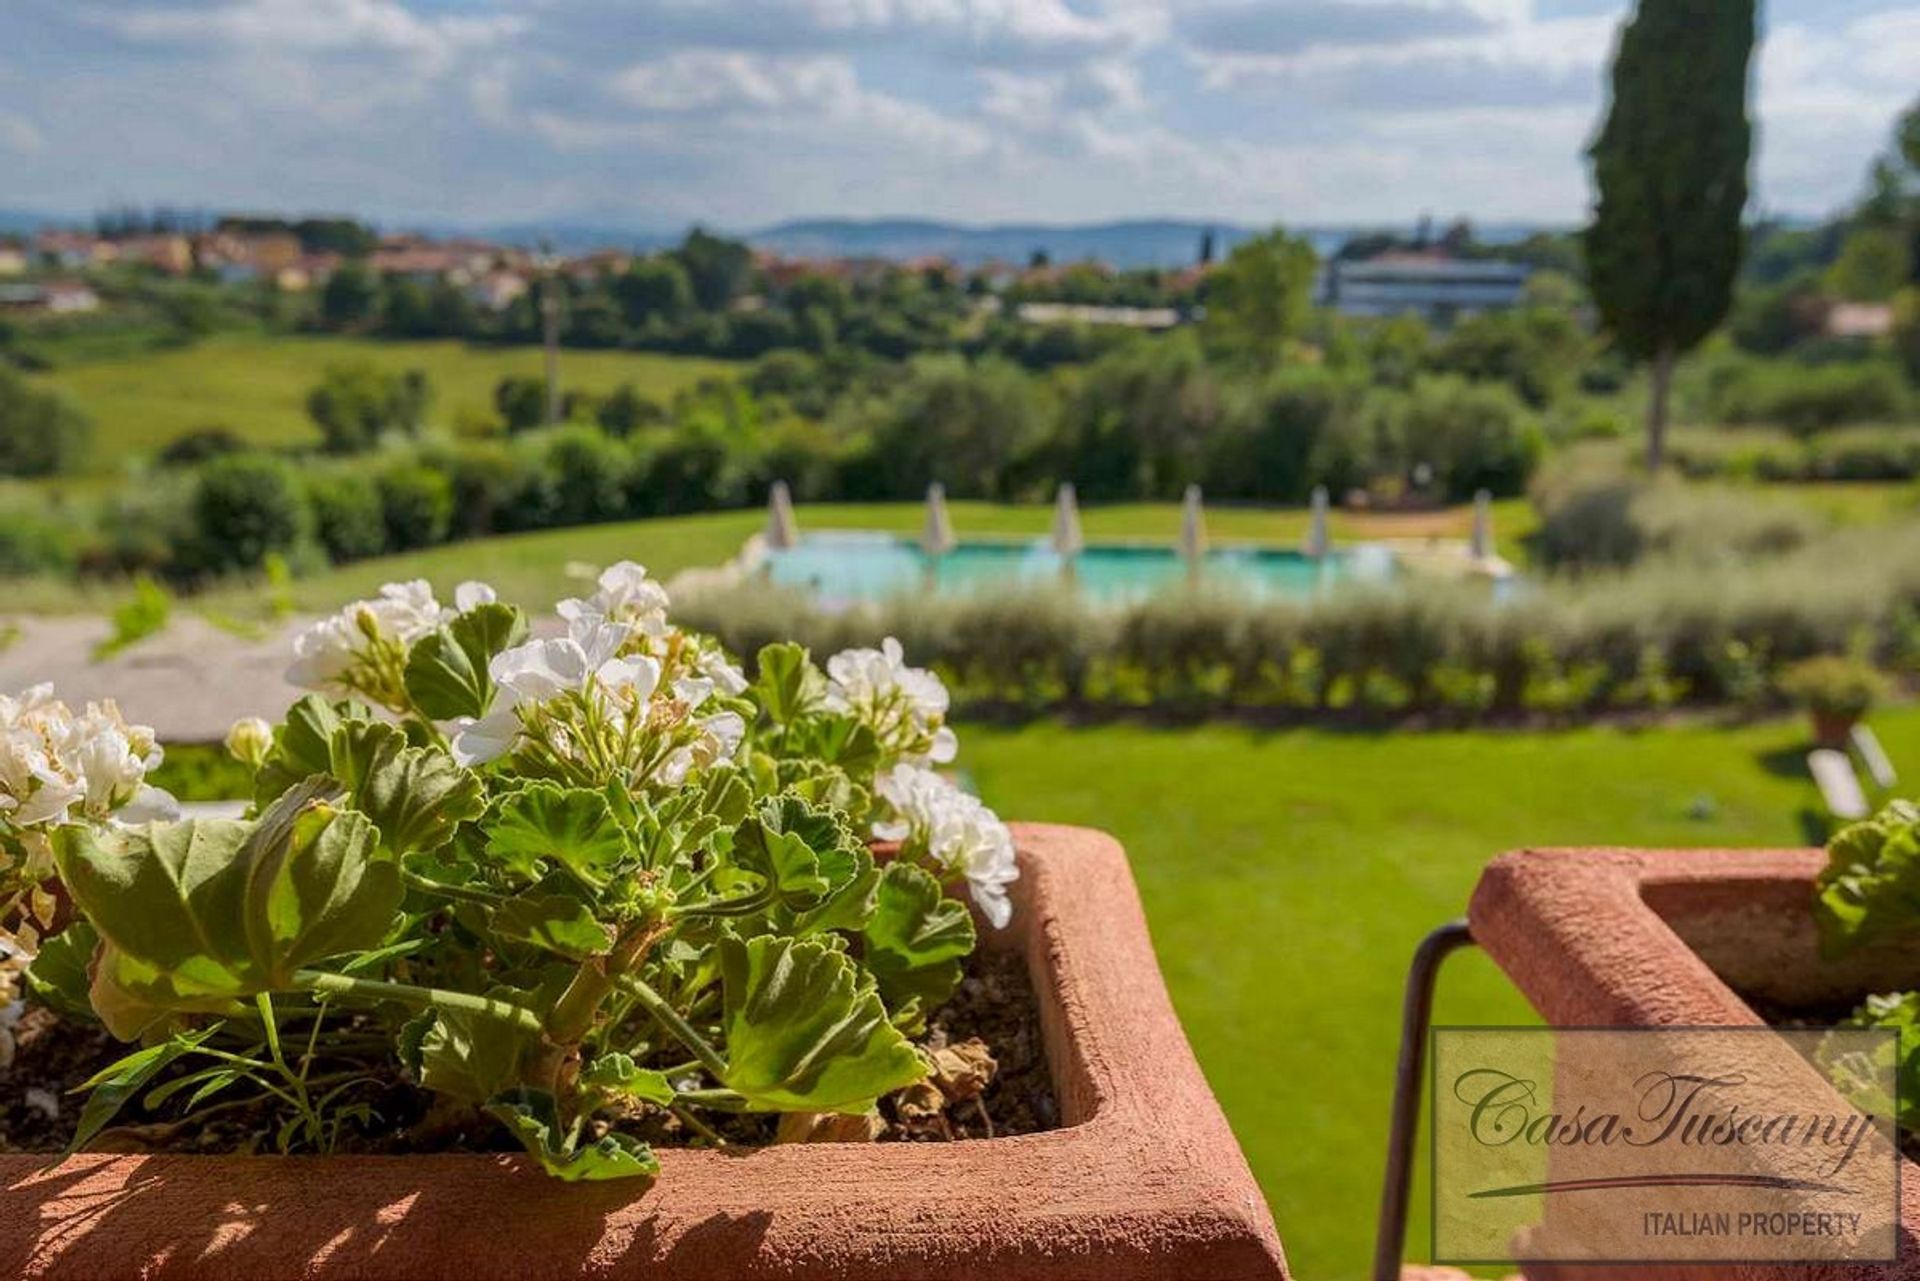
{"x":250,"y":740}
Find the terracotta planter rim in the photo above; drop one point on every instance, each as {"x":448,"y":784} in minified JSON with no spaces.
{"x":1144,"y":1179}
{"x":1598,"y":937}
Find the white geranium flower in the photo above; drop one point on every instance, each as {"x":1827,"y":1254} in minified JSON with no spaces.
{"x":109,"y":757}
{"x":472,"y":594}
{"x":626,"y":596}
{"x":715,"y":667}
{"x":540,"y":670}
{"x":334,"y":653}
{"x":488,"y":738}
{"x":149,"y":805}
{"x":957,"y":833}
{"x":324,"y":652}
{"x":905,"y":706}
{"x":408,"y":610}
{"x":56,"y":766}
{"x":720,"y":738}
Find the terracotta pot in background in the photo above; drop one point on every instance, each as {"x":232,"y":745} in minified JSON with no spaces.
{"x":1833,"y":729}
{"x":1144,"y":1178}
{"x":1674,"y":938}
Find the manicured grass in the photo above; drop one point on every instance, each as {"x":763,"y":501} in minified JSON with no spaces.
{"x":1287,"y":877}
{"x":256,"y":386}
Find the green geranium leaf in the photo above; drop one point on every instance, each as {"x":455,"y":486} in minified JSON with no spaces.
{"x":573,"y":826}
{"x":416,"y":796}
{"x":785,"y":684}
{"x":804,"y":852}
{"x":196,"y":914}
{"x":821,"y":783}
{"x":1899,"y":1011}
{"x":842,"y":741}
{"x":302,"y":747}
{"x":466,"y":1054}
{"x":109,"y":1089}
{"x":447,"y":668}
{"x":57,"y":977}
{"x":916,"y":938}
{"x":534,"y":1119}
{"x":617,"y":1074}
{"x":558,"y":922}
{"x":805,"y":1031}
{"x":1870,"y":888}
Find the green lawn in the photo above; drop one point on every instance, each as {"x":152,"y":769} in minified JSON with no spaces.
{"x":257,"y":385}
{"x":1287,"y":877}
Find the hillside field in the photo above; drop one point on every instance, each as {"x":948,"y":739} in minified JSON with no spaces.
{"x":256,"y":386}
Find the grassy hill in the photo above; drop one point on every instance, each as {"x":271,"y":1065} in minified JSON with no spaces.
{"x":256,"y":386}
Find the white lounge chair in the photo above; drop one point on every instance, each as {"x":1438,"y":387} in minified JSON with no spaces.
{"x":1839,"y":786}
{"x":1866,"y":745}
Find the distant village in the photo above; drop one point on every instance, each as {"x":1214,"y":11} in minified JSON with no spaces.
{"x":53,"y":272}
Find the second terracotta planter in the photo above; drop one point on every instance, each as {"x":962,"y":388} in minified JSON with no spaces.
{"x":1682,"y":939}
{"x":1144,"y":1178}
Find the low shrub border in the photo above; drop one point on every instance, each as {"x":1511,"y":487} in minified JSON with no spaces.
{"x":1659,"y":637}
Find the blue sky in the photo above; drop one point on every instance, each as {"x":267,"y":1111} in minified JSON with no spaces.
{"x":661,"y":112}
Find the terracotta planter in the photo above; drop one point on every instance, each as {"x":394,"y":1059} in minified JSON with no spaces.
{"x":1678,"y":938}
{"x":1143,"y":1180}
{"x":1832,"y":729}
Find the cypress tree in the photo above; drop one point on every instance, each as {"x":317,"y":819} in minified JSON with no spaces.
{"x":1670,"y":167}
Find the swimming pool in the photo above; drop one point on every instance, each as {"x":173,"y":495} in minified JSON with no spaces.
{"x":850,"y":567}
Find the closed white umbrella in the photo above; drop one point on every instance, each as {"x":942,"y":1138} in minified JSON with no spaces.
{"x":782,"y":531}
{"x":1481,"y":545}
{"x":1067,"y":539}
{"x":1317,"y":530}
{"x":1193,"y":528}
{"x":936,"y":538}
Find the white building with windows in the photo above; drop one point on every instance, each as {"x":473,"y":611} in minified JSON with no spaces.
{"x":1438,"y":290}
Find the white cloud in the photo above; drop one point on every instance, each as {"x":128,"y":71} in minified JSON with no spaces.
{"x":720,"y":80}
{"x":17,"y":133}
{"x":745,"y":112}
{"x":294,"y":27}
{"x":1523,"y":46}
{"x":1826,"y":96}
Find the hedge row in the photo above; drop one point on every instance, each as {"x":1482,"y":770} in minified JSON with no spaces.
{"x":1847,"y":453}
{"x":234,"y":511}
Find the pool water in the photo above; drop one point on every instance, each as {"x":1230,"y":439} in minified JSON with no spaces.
{"x":844,"y":568}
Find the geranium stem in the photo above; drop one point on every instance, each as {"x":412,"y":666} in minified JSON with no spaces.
{"x":407,"y":994}
{"x":657,"y":1005}
{"x":471,"y":893}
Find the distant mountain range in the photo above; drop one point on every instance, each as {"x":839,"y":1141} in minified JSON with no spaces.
{"x":1154,"y":242}
{"x":1146,"y":243}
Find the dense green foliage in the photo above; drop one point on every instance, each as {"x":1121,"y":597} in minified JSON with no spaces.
{"x":597,"y":876}
{"x":41,"y":433}
{"x":356,"y":404}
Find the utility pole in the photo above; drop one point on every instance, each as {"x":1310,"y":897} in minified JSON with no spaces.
{"x":550,"y":328}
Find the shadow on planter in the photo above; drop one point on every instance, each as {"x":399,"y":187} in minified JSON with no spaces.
{"x":1143,"y":1180}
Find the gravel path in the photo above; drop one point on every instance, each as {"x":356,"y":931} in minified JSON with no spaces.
{"x":190,"y":682}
